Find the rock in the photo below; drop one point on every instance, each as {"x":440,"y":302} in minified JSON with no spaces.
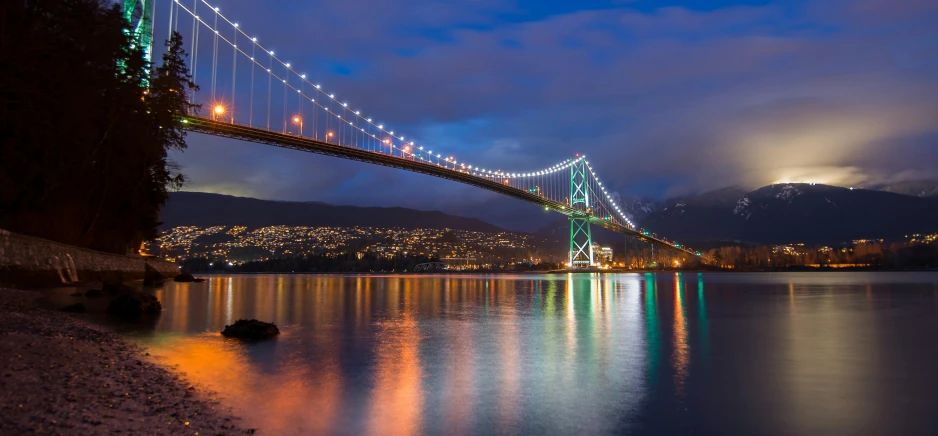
{"x":251,"y":329}
{"x":116,"y":289}
{"x":94,"y":293}
{"x":184,"y":277}
{"x":74,"y":308}
{"x":152,"y":277}
{"x":133,"y":305}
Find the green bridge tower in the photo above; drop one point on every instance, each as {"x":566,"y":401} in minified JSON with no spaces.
{"x":139,"y":13}
{"x":581,"y":240}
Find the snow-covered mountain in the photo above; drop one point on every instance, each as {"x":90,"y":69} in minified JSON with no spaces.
{"x":794,"y":213}
{"x":915,"y":188}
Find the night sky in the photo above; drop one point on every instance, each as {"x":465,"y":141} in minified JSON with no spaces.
{"x":666,"y":98}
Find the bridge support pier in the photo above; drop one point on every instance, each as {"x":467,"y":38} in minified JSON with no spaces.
{"x":581,"y":243}
{"x":581,"y":239}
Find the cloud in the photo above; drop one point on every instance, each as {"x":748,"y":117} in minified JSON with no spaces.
{"x":669,"y":100}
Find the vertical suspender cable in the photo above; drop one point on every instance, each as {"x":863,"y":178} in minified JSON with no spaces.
{"x":214,"y":55}
{"x":269,"y":78}
{"x":195,"y":43}
{"x":192,"y":50}
{"x":234,"y":70}
{"x":169,"y":29}
{"x":284,"y":115}
{"x":251,"y":109}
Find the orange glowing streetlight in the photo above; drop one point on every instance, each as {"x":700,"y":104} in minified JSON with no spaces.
{"x":329,"y":136}
{"x":218,"y":110}
{"x":298,"y":121}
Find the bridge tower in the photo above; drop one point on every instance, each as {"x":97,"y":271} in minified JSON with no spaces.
{"x":139,"y":13}
{"x":581,"y":240}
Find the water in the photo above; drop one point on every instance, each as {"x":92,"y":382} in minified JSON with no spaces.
{"x":787,"y":353}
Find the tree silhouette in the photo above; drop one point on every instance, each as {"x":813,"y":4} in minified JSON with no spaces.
{"x":84,"y":141}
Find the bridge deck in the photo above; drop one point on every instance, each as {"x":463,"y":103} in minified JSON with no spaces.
{"x":252,"y":134}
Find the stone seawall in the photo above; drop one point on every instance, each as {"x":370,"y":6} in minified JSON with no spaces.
{"x":31,"y":261}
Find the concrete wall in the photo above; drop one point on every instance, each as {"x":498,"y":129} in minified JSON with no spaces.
{"x":30,"y":261}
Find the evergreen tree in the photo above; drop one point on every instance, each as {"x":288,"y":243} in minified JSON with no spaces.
{"x":84,"y":143}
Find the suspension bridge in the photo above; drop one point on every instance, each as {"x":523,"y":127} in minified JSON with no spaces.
{"x":253,"y":94}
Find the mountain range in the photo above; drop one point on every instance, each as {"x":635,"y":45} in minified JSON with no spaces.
{"x":780,"y":213}
{"x":797,"y":212}
{"x":204,"y":209}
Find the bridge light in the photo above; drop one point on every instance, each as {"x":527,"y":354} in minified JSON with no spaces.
{"x":358,"y":113}
{"x":332,"y":96}
{"x":344,"y":104}
{"x":254,"y":39}
{"x":302,"y":76}
{"x":271,"y":52}
{"x":218,"y":109}
{"x":329,"y":134}
{"x":420,"y":148}
{"x":318,"y":86}
{"x":297,"y":119}
{"x":287,"y":65}
{"x":380,"y":126}
{"x":236,"y":25}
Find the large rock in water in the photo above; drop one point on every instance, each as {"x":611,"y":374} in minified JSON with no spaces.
{"x":133,"y":305}
{"x":184,"y":277}
{"x":251,"y":329}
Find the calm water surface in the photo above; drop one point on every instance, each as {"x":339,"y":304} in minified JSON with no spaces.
{"x":788,"y":353}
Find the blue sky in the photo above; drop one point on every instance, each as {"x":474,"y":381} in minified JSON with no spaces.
{"x":666,"y":97}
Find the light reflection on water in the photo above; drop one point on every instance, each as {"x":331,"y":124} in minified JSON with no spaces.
{"x":564,"y":353}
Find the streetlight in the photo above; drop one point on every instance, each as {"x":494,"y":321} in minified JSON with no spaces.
{"x":217,"y":111}
{"x":298,"y":121}
{"x":328,"y":136}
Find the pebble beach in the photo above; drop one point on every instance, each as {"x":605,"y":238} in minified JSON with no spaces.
{"x":60,"y":374}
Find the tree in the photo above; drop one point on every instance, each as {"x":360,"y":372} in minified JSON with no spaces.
{"x":84,"y":142}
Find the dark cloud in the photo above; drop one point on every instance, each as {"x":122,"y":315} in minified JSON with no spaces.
{"x":666,"y":101}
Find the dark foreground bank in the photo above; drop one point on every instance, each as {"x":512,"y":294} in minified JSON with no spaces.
{"x":61,"y":375}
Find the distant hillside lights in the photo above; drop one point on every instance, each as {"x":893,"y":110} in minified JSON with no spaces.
{"x":238,"y":244}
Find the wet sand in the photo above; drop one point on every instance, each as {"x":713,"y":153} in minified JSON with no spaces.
{"x":60,"y":374}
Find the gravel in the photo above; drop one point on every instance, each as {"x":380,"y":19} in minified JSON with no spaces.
{"x":62,"y":375}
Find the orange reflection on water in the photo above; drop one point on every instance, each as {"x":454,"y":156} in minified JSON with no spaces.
{"x":681,"y":358}
{"x":397,"y":396}
{"x":297,"y":400}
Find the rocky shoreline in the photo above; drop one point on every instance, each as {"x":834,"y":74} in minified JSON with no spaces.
{"x":63,"y":375}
